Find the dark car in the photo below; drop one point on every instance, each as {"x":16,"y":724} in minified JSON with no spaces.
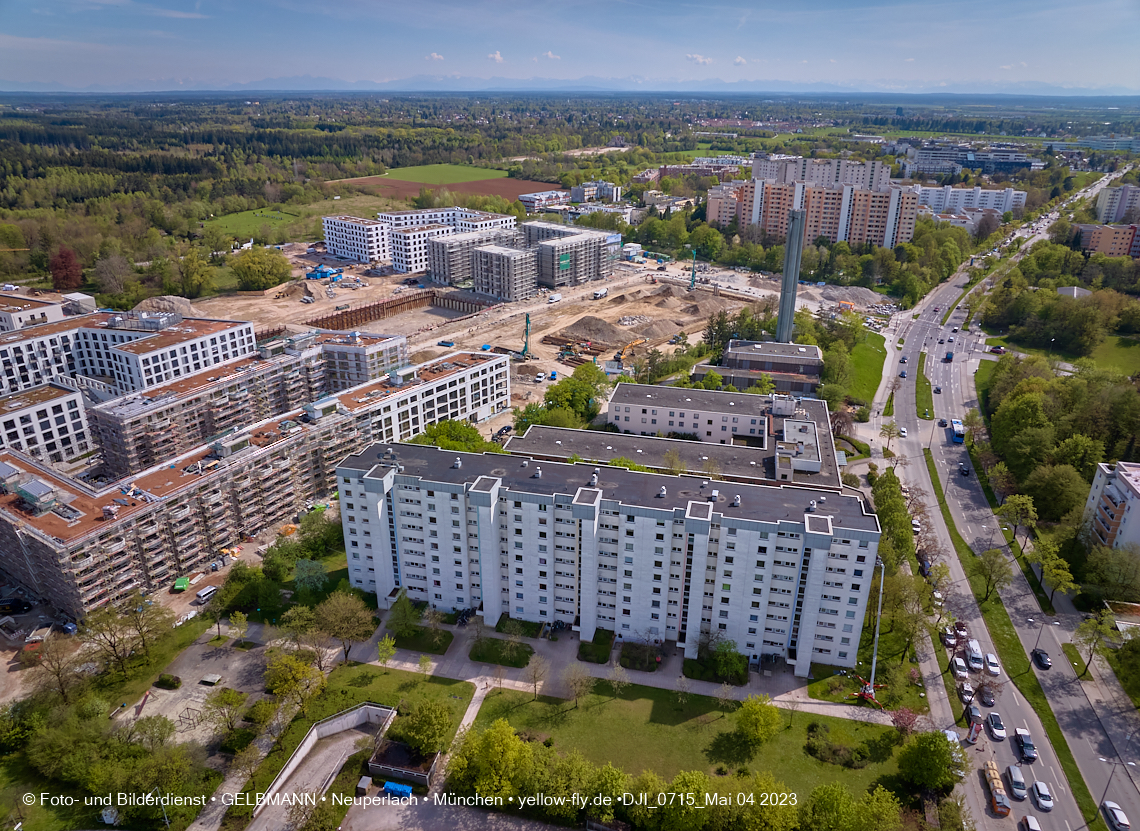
{"x":943,"y":422}
{"x":942,"y":340}
{"x":986,"y":697}
{"x":938,"y":390}
{"x":902,"y":360}
{"x":972,"y":714}
{"x":965,"y":471}
{"x":1041,"y":658}
{"x":902,"y":374}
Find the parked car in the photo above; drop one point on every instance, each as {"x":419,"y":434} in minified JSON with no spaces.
{"x":986,"y":697}
{"x":958,"y":668}
{"x":1115,"y":817}
{"x":1025,"y":744}
{"x":1029,"y":823}
{"x":1041,"y":658}
{"x":1017,"y":787}
{"x":972,"y":714}
{"x":936,"y":598}
{"x":949,"y":637}
{"x":915,"y":526}
{"x":997,"y":729}
{"x":992,"y":665}
{"x":966,"y":692}
{"x":1041,"y":796}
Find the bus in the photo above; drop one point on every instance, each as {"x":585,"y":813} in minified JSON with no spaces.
{"x":959,"y":431}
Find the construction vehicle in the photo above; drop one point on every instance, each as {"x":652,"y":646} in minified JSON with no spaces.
{"x":526,"y":340}
{"x":622,"y":353}
{"x":693,"y":279}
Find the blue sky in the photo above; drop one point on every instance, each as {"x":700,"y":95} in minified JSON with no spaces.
{"x":886,"y":45}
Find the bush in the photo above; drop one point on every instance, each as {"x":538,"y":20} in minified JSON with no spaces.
{"x":237,"y":740}
{"x":639,"y":656}
{"x":863,"y":415}
{"x":705,"y":671}
{"x":261,"y":713}
{"x":598,"y":650}
{"x":821,"y":746}
{"x":168,"y":682}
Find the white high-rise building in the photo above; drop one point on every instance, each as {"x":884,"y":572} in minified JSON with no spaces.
{"x":952,"y":200}
{"x":410,"y":231}
{"x":365,"y":240}
{"x":784,"y":169}
{"x":781,"y":570}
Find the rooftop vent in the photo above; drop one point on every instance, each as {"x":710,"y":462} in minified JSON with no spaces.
{"x":705,"y":484}
{"x":662,"y":492}
{"x":537,"y":473}
{"x":458,"y":463}
{"x":736,"y":501}
{"x":558,"y":442}
{"x":811,"y":506}
{"x":593,"y":479}
{"x":526,"y":463}
{"x":822,"y":498}
{"x":714,"y":496}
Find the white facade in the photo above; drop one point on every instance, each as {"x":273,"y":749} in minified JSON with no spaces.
{"x":364,"y":240}
{"x":410,"y":246}
{"x":954,"y":200}
{"x":461,"y":219}
{"x":1108,"y":510}
{"x":47,"y":422}
{"x":1112,"y":204}
{"x":19,"y":312}
{"x":534,"y":202}
{"x":779,"y":570}
{"x":30,"y":357}
{"x":865,"y":175}
{"x":130,"y":359}
{"x":713,"y":416}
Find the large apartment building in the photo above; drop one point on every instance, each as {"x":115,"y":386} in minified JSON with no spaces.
{"x":1111,"y":240}
{"x":78,"y":545}
{"x":46,"y":422}
{"x":1114,"y":204}
{"x":1108,"y":510}
{"x":507,"y":274}
{"x":783,"y":571}
{"x":364,"y":240}
{"x":18,"y":312}
{"x":570,"y":256}
{"x":794,"y":368}
{"x":953,"y":200}
{"x":451,"y":259}
{"x":787,"y":169}
{"x":140,"y":430}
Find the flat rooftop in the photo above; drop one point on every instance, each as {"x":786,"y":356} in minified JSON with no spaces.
{"x":366,"y":395}
{"x":46,"y":330}
{"x":187,"y":330}
{"x":769,"y":503}
{"x":33,"y":397}
{"x":185,"y":387}
{"x":356,"y":220}
{"x":15,"y":303}
{"x":691,"y":400}
{"x":415,"y":229}
{"x":748,"y":348}
{"x":503,"y":251}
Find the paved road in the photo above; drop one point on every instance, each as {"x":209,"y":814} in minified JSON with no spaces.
{"x":1087,"y":739}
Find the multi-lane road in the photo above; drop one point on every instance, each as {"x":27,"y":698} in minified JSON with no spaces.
{"x":1098,"y":756}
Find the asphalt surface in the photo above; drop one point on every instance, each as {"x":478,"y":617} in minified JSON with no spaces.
{"x":1096,"y":754}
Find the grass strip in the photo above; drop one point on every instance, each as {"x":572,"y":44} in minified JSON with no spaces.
{"x":923,"y":394}
{"x":1130,"y":682}
{"x":889,"y":408}
{"x":1012,"y":655}
{"x":1075,"y":658}
{"x":867,"y":359}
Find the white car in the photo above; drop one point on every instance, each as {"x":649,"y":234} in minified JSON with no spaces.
{"x":902,"y":432}
{"x":958,"y":668}
{"x":992,"y":666}
{"x":1117,"y":819}
{"x":915,"y":526}
{"x":1041,"y":796}
{"x":936,"y":598}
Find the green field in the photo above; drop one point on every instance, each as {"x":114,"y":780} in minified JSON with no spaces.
{"x":867,"y":360}
{"x":1115,"y":352}
{"x":444,"y":174}
{"x":300,"y":222}
{"x":646,"y":728}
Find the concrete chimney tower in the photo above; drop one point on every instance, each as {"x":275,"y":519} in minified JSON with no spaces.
{"x":793,"y":254}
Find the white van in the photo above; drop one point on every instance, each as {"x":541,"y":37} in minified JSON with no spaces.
{"x":600,"y":293}
{"x":540,"y":377}
{"x":206,"y":593}
{"x":974,"y":655}
{"x":554,"y":298}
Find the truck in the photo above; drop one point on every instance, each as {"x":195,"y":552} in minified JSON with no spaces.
{"x":39,"y":635}
{"x":1025,"y":744}
{"x":447,"y":343}
{"x":14,"y":606}
{"x":999,"y":801}
{"x":949,"y":358}
{"x":600,"y":293}
{"x":554,"y":298}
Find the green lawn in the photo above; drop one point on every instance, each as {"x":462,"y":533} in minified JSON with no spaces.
{"x":1014,"y":658}
{"x":889,"y":407}
{"x":300,"y":222}
{"x":444,"y":174}
{"x":248,"y":223}
{"x":1130,"y":683}
{"x":490,"y":651}
{"x":645,"y":728}
{"x":867,"y":366}
{"x":17,"y":779}
{"x":982,"y":378}
{"x":924,"y":393}
{"x":1115,"y":352}
{"x":422,"y":640}
{"x":1076,"y":659}
{"x":349,"y":685}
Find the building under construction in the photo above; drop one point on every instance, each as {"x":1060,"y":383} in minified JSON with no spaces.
{"x":451,"y":259}
{"x":506,"y":273}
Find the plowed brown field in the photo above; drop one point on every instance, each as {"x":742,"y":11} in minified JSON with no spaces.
{"x":396,"y":189}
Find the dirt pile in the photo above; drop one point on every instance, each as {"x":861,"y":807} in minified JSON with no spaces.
{"x":169,"y":303}
{"x":858,"y":295}
{"x":657,"y":329}
{"x":595,"y":330}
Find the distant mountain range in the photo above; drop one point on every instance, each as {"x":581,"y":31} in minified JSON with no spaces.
{"x":589,"y":84}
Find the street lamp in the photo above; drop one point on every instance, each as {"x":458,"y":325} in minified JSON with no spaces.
{"x":1115,"y":765}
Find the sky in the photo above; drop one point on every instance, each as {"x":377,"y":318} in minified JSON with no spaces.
{"x":887,"y":45}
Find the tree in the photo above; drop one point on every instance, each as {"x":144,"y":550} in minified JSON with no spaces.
{"x":1116,"y":571}
{"x":725,"y":697}
{"x":578,"y":681}
{"x":297,"y":622}
{"x":1056,"y":490}
{"x":345,"y":617}
{"x":1019,"y":510}
{"x":148,"y":620}
{"x":759,"y":719}
{"x":110,"y":635}
{"x":1002,"y":481}
{"x":386,"y":649}
{"x":985,"y":227}
{"x":619,"y":680}
{"x":929,"y":761}
{"x":513,"y":644}
{"x":66,"y":271}
{"x":994,"y":570}
{"x":197,"y":276}
{"x":291,"y":679}
{"x":426,"y":726}
{"x":260,"y":268}
{"x":309,"y":576}
{"x":154,"y":731}
{"x":889,"y":431}
{"x":309,"y":813}
{"x":671,"y":461}
{"x":536,"y":671}
{"x":973,"y":423}
{"x":434,"y":620}
{"x":223,"y":708}
{"x":905,"y":720}
{"x":111,"y":273}
{"x":240,"y":624}
{"x":1093,"y":634}
{"x":57,"y":667}
{"x":403,"y":617}
{"x":1055,"y":571}
{"x":424,"y":666}
{"x":247,"y":760}
{"x":684,"y":688}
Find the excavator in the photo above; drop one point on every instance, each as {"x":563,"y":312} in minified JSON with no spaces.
{"x":621,"y":354}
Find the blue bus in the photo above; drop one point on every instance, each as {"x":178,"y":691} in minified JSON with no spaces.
{"x":959,"y":431}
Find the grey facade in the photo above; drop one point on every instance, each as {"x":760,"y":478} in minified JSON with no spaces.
{"x":505,"y":273}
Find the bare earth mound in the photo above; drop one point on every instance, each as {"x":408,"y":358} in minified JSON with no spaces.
{"x":657,"y":329}
{"x":861,"y":297}
{"x":596,"y":330}
{"x":169,"y":303}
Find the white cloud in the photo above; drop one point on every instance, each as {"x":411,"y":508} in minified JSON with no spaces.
{"x":496,"y":57}
{"x":1005,"y":67}
{"x":699,"y":59}
{"x":832,"y":60}
{"x":1023,"y":63}
{"x":739,"y":61}
{"x":551,"y":55}
{"x":910,"y":60}
{"x":434,"y":56}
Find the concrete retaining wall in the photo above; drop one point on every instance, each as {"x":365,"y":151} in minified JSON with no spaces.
{"x":366,"y":713}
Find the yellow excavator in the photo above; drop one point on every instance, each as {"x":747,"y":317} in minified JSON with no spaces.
{"x":622,"y":353}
